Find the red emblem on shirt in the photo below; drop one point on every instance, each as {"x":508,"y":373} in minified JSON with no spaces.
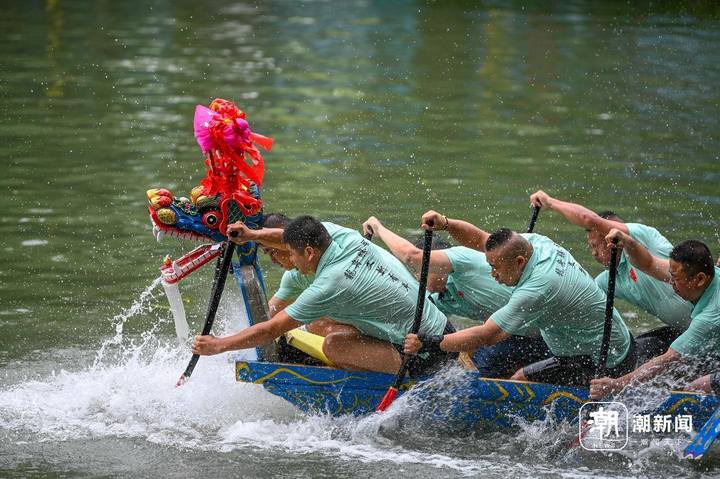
{"x":633,"y":276}
{"x":461,"y":294}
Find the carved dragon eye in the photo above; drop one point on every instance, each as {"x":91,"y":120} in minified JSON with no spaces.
{"x":211,"y":219}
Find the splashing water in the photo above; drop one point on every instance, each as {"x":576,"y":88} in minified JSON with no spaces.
{"x":131,"y":393}
{"x":128,"y":393}
{"x":139,"y":306}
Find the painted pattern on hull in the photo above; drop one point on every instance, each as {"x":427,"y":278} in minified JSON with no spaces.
{"x":476,"y":400}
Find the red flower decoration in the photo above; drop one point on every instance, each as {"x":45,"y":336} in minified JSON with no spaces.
{"x":225,"y":137}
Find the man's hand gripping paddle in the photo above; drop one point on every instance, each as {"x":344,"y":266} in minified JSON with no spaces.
{"x":221,"y":270}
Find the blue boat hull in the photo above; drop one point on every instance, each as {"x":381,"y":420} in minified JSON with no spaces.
{"x":466,"y":399}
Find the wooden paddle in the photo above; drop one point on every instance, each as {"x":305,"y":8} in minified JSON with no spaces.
{"x":391,"y":393}
{"x":221,"y":270}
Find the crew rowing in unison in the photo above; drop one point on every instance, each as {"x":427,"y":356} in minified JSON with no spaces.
{"x":542,"y":317}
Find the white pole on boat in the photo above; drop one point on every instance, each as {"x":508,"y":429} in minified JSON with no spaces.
{"x":182,"y":329}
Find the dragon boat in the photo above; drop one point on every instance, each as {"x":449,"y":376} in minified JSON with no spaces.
{"x":465,"y":399}
{"x":231,"y":192}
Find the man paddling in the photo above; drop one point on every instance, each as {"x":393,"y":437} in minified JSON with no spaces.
{"x":293,"y":282}
{"x":354,"y":283}
{"x":460,"y":282}
{"x":694,"y":277}
{"x":552,"y":293}
{"x":634,"y":286}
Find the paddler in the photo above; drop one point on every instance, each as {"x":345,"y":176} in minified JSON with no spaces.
{"x":694,"y":277}
{"x":655,"y":297}
{"x":293,"y":282}
{"x":461,"y":284}
{"x":551,"y":292}
{"x":352,"y":281}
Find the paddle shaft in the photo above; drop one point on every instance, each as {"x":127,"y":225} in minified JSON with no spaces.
{"x":419,"y":308}
{"x":407,"y":358}
{"x":601,"y":369}
{"x":607,"y":329}
{"x":221,"y":270}
{"x":533,"y":219}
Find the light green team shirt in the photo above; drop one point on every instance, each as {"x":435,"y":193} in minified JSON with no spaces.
{"x":558,"y":297}
{"x":293,"y":282}
{"x":703,"y":334}
{"x":360,"y":284}
{"x":654,"y":296}
{"x":471,"y":292}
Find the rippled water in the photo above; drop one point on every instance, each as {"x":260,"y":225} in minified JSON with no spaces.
{"x":376,"y":108}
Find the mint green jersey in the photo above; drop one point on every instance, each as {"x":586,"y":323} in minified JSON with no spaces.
{"x":471,"y":292}
{"x":360,"y":284}
{"x":293,"y":282}
{"x":558,"y":297}
{"x":651,"y":295}
{"x":703,"y":334}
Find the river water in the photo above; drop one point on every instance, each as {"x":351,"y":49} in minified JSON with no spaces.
{"x":376,"y":108}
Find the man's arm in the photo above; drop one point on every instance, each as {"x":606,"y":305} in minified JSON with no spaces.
{"x":468,"y":339}
{"x":576,"y":214}
{"x":604,"y":386}
{"x":463,"y":232}
{"x":405,"y":251}
{"x":256,"y":335}
{"x":275,"y":305}
{"x":269,"y":237}
{"x":639,"y":256}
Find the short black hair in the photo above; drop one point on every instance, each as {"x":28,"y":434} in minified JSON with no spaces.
{"x":438,"y":242}
{"x":306,"y":231}
{"x":695,"y":257}
{"x":610,"y":215}
{"x":275,"y":220}
{"x":498,"y":238}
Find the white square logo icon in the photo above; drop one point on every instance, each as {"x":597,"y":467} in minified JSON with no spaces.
{"x":603,"y":426}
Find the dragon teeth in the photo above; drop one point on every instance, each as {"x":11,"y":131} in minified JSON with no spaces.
{"x":160,"y":234}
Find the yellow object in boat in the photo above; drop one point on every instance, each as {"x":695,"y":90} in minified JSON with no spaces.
{"x":308,"y":343}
